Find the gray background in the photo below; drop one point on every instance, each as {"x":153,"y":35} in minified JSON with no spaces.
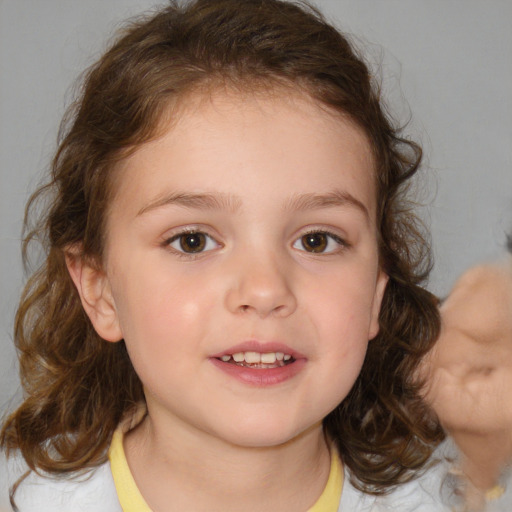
{"x":446,"y":64}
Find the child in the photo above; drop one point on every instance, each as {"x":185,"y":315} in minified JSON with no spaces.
{"x":230,"y":313}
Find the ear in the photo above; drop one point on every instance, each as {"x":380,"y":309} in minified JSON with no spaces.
{"x":96,"y":296}
{"x":380,"y":288}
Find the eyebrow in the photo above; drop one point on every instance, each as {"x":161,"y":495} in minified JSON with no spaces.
{"x":216,"y":201}
{"x":220,"y":201}
{"x":332,"y":199}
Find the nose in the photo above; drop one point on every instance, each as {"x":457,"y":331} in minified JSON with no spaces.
{"x":260,"y":285}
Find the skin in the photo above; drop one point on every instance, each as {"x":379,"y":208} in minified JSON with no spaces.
{"x":273,"y":169}
{"x":470,"y":371}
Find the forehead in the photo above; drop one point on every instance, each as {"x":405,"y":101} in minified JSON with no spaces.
{"x":237,"y":140}
{"x":281,"y":104}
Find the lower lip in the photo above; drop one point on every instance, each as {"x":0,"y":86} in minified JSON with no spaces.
{"x":260,"y":377}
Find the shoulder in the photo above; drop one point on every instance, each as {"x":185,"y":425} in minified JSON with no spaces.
{"x":93,"y":491}
{"x":424,"y":494}
{"x":437,"y":489}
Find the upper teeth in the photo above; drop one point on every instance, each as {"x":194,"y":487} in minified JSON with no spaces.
{"x":257,"y":357}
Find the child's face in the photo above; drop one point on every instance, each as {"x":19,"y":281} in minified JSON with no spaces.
{"x":249,"y":227}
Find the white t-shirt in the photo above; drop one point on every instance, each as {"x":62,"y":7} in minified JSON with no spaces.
{"x":95,"y":492}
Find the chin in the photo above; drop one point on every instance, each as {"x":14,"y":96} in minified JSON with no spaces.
{"x":266,"y":433}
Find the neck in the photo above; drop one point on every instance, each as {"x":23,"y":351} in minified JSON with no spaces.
{"x":171,"y":461}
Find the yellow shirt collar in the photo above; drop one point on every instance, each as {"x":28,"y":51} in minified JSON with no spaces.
{"x":131,"y":499}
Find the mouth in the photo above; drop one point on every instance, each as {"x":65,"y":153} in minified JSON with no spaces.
{"x":260,"y":364}
{"x":258,"y":360}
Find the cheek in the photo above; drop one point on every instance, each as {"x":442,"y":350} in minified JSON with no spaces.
{"x":336,"y":377}
{"x":342,"y":318}
{"x":159,"y":316}
{"x":342,"y":306}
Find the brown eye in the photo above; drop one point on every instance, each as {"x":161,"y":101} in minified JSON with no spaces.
{"x":319,"y":242}
{"x":314,"y":242}
{"x":192,"y":242}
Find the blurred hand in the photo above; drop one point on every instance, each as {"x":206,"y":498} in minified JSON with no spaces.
{"x":469,"y":371}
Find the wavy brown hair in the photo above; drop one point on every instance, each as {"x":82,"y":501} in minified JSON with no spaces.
{"x":77,"y":387}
